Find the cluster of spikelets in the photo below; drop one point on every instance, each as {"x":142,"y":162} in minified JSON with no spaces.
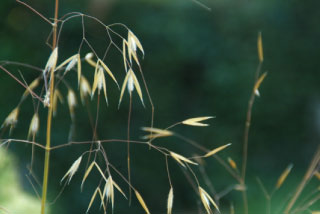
{"x":130,"y":46}
{"x":130,"y":82}
{"x":107,"y":192}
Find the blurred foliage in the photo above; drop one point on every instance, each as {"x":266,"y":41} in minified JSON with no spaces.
{"x":197,"y":63}
{"x":12,"y":193}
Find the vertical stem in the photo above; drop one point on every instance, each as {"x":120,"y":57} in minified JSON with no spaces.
{"x":49,"y":120}
{"x":128,"y":135}
{"x":246,"y":139}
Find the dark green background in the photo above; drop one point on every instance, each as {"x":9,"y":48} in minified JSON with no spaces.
{"x":197,"y":63}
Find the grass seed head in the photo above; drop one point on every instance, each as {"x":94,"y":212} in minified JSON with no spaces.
{"x":31,"y":87}
{"x":52,"y":61}
{"x":216,"y":150}
{"x":85,"y":89}
{"x":56,"y":96}
{"x":170,"y":201}
{"x":72,"y":102}
{"x":232,"y":163}
{"x":34,"y":126}
{"x":181,"y":160}
{"x":196,"y":121}
{"x":141,"y":201}
{"x":72,"y":170}
{"x":260,"y":48}
{"x":12,"y":119}
{"x":283,"y":176}
{"x":206,"y":200}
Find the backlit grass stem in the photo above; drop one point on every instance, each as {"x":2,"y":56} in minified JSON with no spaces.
{"x":49,"y":121}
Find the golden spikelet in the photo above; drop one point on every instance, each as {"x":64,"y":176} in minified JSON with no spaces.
{"x":72,"y":102}
{"x":232,"y":163}
{"x":89,"y":60}
{"x":141,"y":201}
{"x":11,"y":119}
{"x":155,"y":132}
{"x":56,"y":96}
{"x":99,"y":82}
{"x":258,"y":83}
{"x":109,"y":191}
{"x":30,"y":88}
{"x":131,"y":82}
{"x":85,"y":89}
{"x":181,"y":160}
{"x":206,"y":200}
{"x":196,"y":121}
{"x":170,"y":201}
{"x":216,"y":150}
{"x":34,"y":126}
{"x":260,"y":48}
{"x":72,"y":170}
{"x":52,"y":61}
{"x":283,"y":176}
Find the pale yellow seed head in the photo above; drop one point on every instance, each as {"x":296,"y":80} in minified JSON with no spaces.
{"x":141,"y":201}
{"x":170,"y":201}
{"x":260,"y":48}
{"x":34,"y":125}
{"x":283,"y":176}
{"x":72,"y":170}
{"x":12,"y":118}
{"x":85,"y":88}
{"x":196,"y":121}
{"x":232,"y":163}
{"x":72,"y":102}
{"x":207,"y":200}
{"x":52,"y":61}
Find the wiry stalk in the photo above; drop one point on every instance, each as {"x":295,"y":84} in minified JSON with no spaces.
{"x":49,"y":121}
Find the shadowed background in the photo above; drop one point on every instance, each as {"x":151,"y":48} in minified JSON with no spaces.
{"x":197,"y":63}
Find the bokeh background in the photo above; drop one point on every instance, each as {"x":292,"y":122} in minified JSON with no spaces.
{"x":198,"y":62}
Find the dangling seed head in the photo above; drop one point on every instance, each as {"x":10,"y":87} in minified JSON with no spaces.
{"x":34,"y":125}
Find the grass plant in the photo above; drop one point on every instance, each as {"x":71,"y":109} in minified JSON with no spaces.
{"x":68,"y":75}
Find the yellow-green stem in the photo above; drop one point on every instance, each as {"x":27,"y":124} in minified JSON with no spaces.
{"x":49,"y":120}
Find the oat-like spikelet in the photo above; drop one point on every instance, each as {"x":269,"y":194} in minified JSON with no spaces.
{"x":216,"y":150}
{"x":258,"y":83}
{"x":196,"y":121}
{"x":124,"y":55}
{"x":52,"y":61}
{"x":89,"y":60}
{"x":72,"y":102}
{"x":132,"y":44}
{"x":85,"y":89}
{"x":99,"y":82}
{"x":260,"y":48}
{"x":232,"y":163}
{"x":32,"y":86}
{"x":109,"y":191}
{"x":72,"y":170}
{"x":283,"y":176}
{"x":56,"y":96}
{"x":131,"y":82}
{"x":71,"y":62}
{"x":34,"y":126}
{"x":11,"y":119}
{"x":141,"y":201}
{"x":181,"y":160}
{"x":206,"y":200}
{"x":94,"y":196}
{"x":50,"y":66}
{"x":155,"y":132}
{"x":170,"y":201}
